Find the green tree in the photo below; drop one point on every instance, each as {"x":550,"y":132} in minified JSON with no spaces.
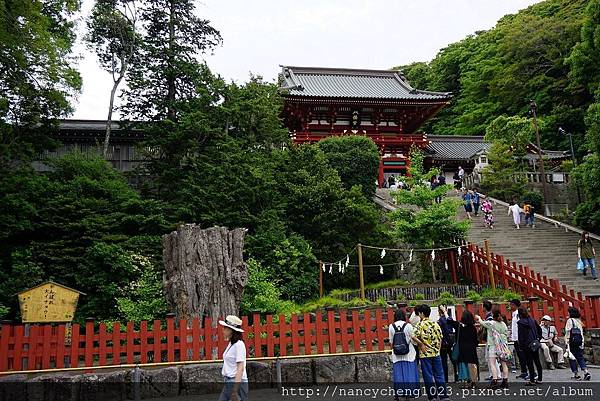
{"x":356,"y":160}
{"x":498,"y":71}
{"x":37,"y":76}
{"x":78,"y":228}
{"x":587,"y":214}
{"x":112,"y":35}
{"x":166,"y":76}
{"x":509,"y":137}
{"x":585,"y":56}
{"x":419,"y":221}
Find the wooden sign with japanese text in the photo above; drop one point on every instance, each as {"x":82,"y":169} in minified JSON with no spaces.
{"x":48,"y":302}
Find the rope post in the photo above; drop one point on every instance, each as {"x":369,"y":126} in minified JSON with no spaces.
{"x":320,"y":279}
{"x":489,"y":263}
{"x":361,"y":273}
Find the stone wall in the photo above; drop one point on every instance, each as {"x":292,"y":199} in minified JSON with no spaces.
{"x":197,"y":379}
{"x":592,"y":346}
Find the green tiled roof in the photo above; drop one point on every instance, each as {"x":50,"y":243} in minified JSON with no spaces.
{"x":349,"y":83}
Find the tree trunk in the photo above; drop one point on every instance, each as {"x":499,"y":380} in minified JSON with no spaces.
{"x":205,"y":273}
{"x":111,"y":107}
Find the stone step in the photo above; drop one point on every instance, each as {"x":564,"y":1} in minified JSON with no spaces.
{"x":546,"y":249}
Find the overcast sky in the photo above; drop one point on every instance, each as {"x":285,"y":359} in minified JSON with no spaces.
{"x":259,"y":35}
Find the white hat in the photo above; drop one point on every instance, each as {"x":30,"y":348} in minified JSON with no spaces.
{"x":546,"y":317}
{"x":233,"y":322}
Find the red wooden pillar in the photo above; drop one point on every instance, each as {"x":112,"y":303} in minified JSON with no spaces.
{"x":89,"y":341}
{"x":595,"y":310}
{"x":381,"y":175}
{"x":4,"y":341}
{"x":475,"y":265}
{"x":451,"y":256}
{"x":533,"y":307}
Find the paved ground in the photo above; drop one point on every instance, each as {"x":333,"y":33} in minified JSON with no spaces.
{"x":557,"y":386}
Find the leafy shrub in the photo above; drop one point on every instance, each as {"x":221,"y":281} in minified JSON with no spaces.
{"x":387,"y":284}
{"x":419,"y":297}
{"x":445,"y":298}
{"x":534,"y":198}
{"x":474,"y":296}
{"x":261,"y":294}
{"x":339,"y":292}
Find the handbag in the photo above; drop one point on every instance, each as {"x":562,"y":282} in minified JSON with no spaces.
{"x":580,"y":264}
{"x":501,"y":347}
{"x":535,"y":345}
{"x":455,"y":351}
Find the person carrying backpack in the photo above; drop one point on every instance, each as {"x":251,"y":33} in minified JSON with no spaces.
{"x":574,"y":341}
{"x":404,"y":364}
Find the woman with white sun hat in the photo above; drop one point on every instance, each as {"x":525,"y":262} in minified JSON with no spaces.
{"x":234,"y":361}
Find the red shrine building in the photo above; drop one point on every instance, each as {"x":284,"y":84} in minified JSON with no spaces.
{"x":380,"y":104}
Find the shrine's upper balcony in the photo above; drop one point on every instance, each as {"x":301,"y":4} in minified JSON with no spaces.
{"x":331,"y":101}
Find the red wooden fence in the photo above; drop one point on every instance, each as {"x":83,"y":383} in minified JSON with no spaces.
{"x":90,"y":345}
{"x":472,"y":264}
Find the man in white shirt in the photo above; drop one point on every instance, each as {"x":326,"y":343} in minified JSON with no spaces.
{"x":548,"y":342}
{"x":514,"y":337}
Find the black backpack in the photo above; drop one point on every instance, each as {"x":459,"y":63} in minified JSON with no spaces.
{"x":576,"y":337}
{"x":399,"y":343}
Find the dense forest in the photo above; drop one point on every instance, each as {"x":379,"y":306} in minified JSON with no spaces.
{"x":550,"y":53}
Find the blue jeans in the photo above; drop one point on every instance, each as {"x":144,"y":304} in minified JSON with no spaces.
{"x":579,"y":359}
{"x":242,"y":392}
{"x":433,"y":377}
{"x":591,"y":262}
{"x":529,"y":220}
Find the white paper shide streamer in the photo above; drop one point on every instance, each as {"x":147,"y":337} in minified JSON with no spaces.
{"x":382,"y":253}
{"x":380,"y":269}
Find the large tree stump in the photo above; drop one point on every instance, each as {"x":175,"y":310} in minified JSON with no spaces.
{"x":205,"y":273}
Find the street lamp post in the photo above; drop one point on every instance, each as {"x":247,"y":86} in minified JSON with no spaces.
{"x":563,"y":132}
{"x":533,"y":107}
{"x":570,"y":135}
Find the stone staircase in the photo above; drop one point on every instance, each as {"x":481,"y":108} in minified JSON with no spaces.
{"x":546,"y":249}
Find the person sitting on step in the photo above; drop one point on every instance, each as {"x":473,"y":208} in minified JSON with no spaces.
{"x":549,"y":343}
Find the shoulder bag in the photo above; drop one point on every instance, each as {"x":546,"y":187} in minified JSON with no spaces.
{"x":535,"y":345}
{"x":455,"y":350}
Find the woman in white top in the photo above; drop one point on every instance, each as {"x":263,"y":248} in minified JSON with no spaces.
{"x":405,"y":374}
{"x":234,"y":361}
{"x":516,"y":210}
{"x":574,"y":340}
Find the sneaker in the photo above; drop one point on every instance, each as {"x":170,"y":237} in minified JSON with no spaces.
{"x":595,"y":278}
{"x":560,"y":366}
{"x":587,"y":376}
{"x":576,"y":377}
{"x":585,"y":271}
{"x":538,"y":381}
{"x":529,"y":383}
{"x":550,"y":366}
{"x":513,"y":371}
{"x":524,"y":376}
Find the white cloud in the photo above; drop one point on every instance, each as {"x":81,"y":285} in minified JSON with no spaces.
{"x":261,"y":34}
